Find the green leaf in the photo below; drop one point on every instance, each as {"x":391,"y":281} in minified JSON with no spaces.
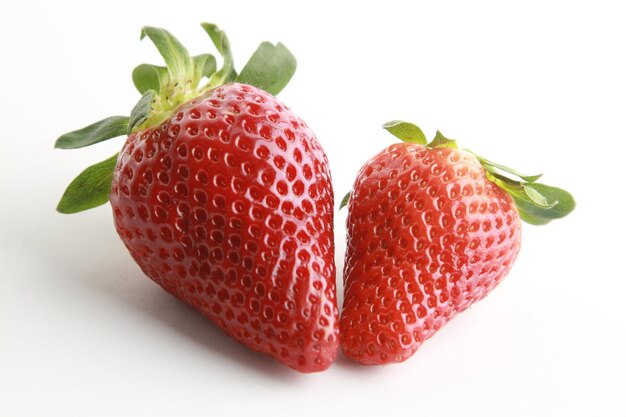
{"x":537,"y":197}
{"x":531,"y":219}
{"x":494,"y":167}
{"x":204,"y":66}
{"x":150,"y":77}
{"x":345,"y":200}
{"x":89,"y":189}
{"x":108,"y":128}
{"x":270,"y":68}
{"x":531,"y":210}
{"x":537,"y":203}
{"x":141,"y":111}
{"x":440,"y":141}
{"x":177,"y":59}
{"x":406,"y":132}
{"x":220,"y":40}
{"x":565,"y":202}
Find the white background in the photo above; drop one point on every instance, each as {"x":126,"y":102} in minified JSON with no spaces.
{"x":537,"y":85}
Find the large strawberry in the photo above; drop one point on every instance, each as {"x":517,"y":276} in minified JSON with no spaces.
{"x":223,"y":197}
{"x":431,"y":230}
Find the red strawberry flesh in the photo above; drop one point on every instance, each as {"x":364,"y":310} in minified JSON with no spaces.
{"x":228,"y":205}
{"x":428,"y":235}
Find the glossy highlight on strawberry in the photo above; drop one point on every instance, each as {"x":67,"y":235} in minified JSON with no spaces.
{"x":431,"y":230}
{"x":223,"y":196}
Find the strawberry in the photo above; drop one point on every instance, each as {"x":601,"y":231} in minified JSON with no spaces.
{"x":431,"y":230}
{"x":223,"y":197}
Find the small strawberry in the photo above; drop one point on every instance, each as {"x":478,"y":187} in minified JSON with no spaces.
{"x":223,"y":197}
{"x":431,"y":230}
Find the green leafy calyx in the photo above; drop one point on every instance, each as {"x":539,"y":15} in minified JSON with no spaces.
{"x":163,"y":89}
{"x":537,"y":203}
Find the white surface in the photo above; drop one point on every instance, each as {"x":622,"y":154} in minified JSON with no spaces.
{"x":538,"y":85}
